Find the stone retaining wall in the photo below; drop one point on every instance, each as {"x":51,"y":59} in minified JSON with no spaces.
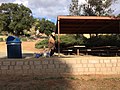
{"x":73,"y":66}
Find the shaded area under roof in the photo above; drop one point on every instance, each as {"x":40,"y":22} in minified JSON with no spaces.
{"x":87,"y":25}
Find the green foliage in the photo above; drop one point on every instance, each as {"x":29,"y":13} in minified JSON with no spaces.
{"x":15,"y":18}
{"x":44,"y":26}
{"x":24,"y":39}
{"x":1,"y":40}
{"x":68,"y":40}
{"x":65,"y":41}
{"x":41,"y":44}
{"x":103,"y":40}
{"x":94,"y":41}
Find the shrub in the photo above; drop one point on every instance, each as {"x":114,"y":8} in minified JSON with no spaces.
{"x":1,"y":40}
{"x":103,"y":40}
{"x":65,"y":41}
{"x":70,"y":40}
{"x":23,"y":39}
{"x":41,"y":44}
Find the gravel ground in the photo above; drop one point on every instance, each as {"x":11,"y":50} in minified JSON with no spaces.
{"x":59,"y":83}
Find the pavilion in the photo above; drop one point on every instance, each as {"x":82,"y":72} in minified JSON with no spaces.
{"x":86,"y":25}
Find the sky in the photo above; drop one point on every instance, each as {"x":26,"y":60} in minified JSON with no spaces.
{"x":50,"y":9}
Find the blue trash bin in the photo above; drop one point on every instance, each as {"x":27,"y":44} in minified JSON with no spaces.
{"x":13,"y":47}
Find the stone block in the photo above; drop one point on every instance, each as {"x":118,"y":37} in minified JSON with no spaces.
{"x":84,"y":61}
{"x":103,"y":69}
{"x":32,"y":67}
{"x":36,"y":72}
{"x":93,"y":61}
{"x":101,"y":61}
{"x":6,"y":62}
{"x":97,"y":65}
{"x":92,"y":69}
{"x":17,"y":67}
{"x":19,"y":62}
{"x":114,"y":61}
{"x":57,"y":66}
{"x":114,"y":64}
{"x":78,"y":61}
{"x":45,"y":62}
{"x":51,"y":62}
{"x":91,"y":65}
{"x":4,"y":72}
{"x":63,"y":66}
{"x":109,"y":65}
{"x":44,"y":66}
{"x":25,"y":72}
{"x":107,"y":61}
{"x":11,"y":67}
{"x":81,"y":69}
{"x":18,"y":72}
{"x":97,"y":69}
{"x":0,"y":62}
{"x":84,"y":65}
{"x":13,"y":63}
{"x":10,"y":72}
{"x":38,"y":67}
{"x":4,"y":67}
{"x":26,"y":63}
{"x":31,"y":63}
{"x":103,"y":65}
{"x":86,"y":69}
{"x":51,"y":66}
{"x":37,"y":62}
{"x":49,"y":70}
{"x":25,"y":67}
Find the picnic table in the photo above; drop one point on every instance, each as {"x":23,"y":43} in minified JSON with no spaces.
{"x":78,"y":48}
{"x":105,"y":50}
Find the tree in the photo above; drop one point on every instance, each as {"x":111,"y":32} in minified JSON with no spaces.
{"x":15,"y":18}
{"x":74,"y":11}
{"x":45,"y":26}
{"x":94,"y":7}
{"x":98,"y":7}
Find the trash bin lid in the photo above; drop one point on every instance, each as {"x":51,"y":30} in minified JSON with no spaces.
{"x":12,"y":39}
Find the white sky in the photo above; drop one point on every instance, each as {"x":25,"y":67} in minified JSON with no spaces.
{"x":50,"y":9}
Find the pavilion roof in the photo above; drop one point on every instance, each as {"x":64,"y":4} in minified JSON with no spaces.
{"x":88,"y":24}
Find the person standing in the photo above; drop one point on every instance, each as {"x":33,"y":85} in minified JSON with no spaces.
{"x":51,"y":43}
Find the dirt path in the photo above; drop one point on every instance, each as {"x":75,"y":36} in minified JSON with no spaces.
{"x":30,"y":47}
{"x":27,"y":47}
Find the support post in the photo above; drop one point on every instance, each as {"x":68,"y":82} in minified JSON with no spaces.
{"x":58,"y":39}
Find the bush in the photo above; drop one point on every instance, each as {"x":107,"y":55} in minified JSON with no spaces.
{"x":23,"y":39}
{"x":41,"y":44}
{"x":65,"y":41}
{"x":103,"y":40}
{"x":70,"y":40}
{"x":1,"y":40}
